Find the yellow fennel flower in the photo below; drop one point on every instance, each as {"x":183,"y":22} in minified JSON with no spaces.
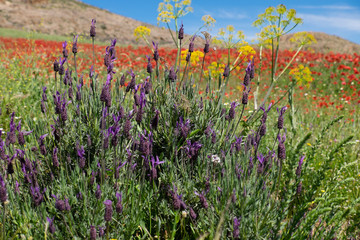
{"x":141,"y":32}
{"x":302,"y":75}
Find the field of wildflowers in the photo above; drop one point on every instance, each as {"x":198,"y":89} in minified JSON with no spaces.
{"x":220,"y":141}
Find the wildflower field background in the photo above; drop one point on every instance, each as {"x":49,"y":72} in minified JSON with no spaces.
{"x":213,"y":138}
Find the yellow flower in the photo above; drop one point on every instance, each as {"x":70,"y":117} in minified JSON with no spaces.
{"x":246,"y":51}
{"x":173,"y":9}
{"x":302,"y":75}
{"x":277,"y":20}
{"x":230,"y":28}
{"x":165,"y":16}
{"x":208,"y":20}
{"x":303,"y":38}
{"x":141,"y":32}
{"x":215,"y":69}
{"x":196,"y":57}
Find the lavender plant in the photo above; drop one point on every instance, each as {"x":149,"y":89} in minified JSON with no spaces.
{"x":169,"y":161}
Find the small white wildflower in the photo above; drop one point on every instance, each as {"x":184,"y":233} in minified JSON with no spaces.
{"x":17,"y":117}
{"x":225,"y":104}
{"x":184,"y":214}
{"x":215,"y":159}
{"x":34,"y":118}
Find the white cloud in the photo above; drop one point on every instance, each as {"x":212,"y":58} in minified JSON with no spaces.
{"x":225,"y":14}
{"x":349,"y":22}
{"x":329,"y":7}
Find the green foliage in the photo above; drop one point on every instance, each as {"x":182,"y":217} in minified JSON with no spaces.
{"x":186,"y":166}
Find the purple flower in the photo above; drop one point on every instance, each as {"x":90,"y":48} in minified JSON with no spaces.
{"x":79,"y":196}
{"x":74,"y":46}
{"x":122,"y":80}
{"x":232,"y":110}
{"x":183,"y":127}
{"x":193,"y":214}
{"x":149,"y":66}
{"x":61,"y":67}
{"x":92,"y":232}
{"x":105,"y":95}
{"x":101,"y":232}
{"x":281,"y":147}
{"x":226,"y":71}
{"x":3,"y":193}
{"x":127,"y":127}
{"x":156,"y":51}
{"x":245,"y":96}
{"x":81,"y":155}
{"x":36,"y":195}
{"x":298,"y":169}
{"x":299,"y":188}
{"x":119,"y":206}
{"x":236,"y":231}
{"x":177,"y":201}
{"x":153,"y":174}
{"x":191,"y":44}
{"x":21,"y":134}
{"x":65,"y":51}
{"x":132,"y":83}
{"x":207,"y":44}
{"x":203,"y":200}
{"x":51,"y":224}
{"x":44,"y":97}
{"x":42,"y":144}
{"x":98,"y":192}
{"x":172,"y":74}
{"x":155,"y":120}
{"x":59,"y":204}
{"x":55,"y":158}
{"x":247,"y":74}
{"x":252,"y":72}
{"x":181,"y":32}
{"x":108,"y":210}
{"x":192,"y":150}
{"x":265,"y":112}
{"x":261,"y":164}
{"x":281,"y":117}
{"x":92,"y":28}
{"x":56,"y":66}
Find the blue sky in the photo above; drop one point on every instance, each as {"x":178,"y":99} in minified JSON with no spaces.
{"x":341,"y":18}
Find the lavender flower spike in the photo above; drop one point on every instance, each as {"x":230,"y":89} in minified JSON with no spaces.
{"x":65,"y":51}
{"x":236,"y":232}
{"x":108,"y":210}
{"x":298,"y":169}
{"x":51,"y":224}
{"x":119,"y":206}
{"x":226,"y":71}
{"x":3,"y":194}
{"x":92,"y":28}
{"x":74,"y":47}
{"x":281,"y":117}
{"x":156,"y":51}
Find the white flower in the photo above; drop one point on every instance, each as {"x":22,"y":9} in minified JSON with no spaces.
{"x":215,"y":159}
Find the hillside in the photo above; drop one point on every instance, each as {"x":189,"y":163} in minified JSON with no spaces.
{"x":325,"y":43}
{"x":69,"y":17}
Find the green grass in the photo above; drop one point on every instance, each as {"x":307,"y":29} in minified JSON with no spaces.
{"x":14,"y":33}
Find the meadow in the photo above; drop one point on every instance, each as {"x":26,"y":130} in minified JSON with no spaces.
{"x":221,"y":141}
